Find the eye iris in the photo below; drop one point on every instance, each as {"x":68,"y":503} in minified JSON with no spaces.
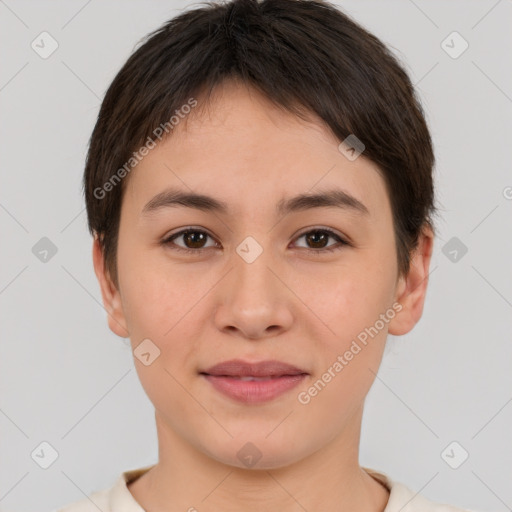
{"x":194,"y":237}
{"x":313,"y":237}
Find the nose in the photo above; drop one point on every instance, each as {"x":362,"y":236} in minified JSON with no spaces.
{"x":253,"y":300}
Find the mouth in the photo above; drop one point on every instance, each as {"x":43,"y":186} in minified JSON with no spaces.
{"x":250,"y":377}
{"x":253,"y":382}
{"x":256,"y":370}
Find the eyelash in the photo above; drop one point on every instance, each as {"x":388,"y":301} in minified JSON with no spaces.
{"x":343,"y":242}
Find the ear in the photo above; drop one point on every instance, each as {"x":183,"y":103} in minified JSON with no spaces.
{"x":110,"y":294}
{"x":411,"y":289}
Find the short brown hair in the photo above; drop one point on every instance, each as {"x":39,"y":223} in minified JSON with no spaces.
{"x":305,"y":56}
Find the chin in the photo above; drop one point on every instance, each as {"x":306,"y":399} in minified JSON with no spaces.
{"x":257,"y":452}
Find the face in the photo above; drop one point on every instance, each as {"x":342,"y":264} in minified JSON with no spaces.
{"x":310,"y":284}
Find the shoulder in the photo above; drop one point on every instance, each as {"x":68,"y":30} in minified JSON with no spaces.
{"x":114,"y":499}
{"x":97,"y":500}
{"x":403,"y":499}
{"x":408,"y":501}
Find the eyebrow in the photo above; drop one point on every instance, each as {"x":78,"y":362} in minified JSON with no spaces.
{"x":337,"y":198}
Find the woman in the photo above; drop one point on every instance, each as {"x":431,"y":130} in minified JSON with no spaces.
{"x":259,"y":188}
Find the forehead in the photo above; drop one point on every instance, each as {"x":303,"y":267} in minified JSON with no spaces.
{"x":248,"y":153}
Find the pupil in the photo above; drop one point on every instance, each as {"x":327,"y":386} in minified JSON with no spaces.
{"x":313,"y":237}
{"x":190,"y":237}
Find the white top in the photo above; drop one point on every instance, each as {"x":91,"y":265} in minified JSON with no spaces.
{"x":119,"y":499}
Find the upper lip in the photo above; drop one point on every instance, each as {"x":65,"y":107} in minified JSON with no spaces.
{"x":240,"y":368}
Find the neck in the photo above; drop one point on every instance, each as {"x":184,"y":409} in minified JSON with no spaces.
{"x":330,"y":480}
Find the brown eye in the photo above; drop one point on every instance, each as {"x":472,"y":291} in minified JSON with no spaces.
{"x":193,"y":240}
{"x":317,"y":240}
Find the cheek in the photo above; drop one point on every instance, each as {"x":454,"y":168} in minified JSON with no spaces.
{"x":351,"y":307}
{"x":351,"y":349}
{"x":347,"y":301}
{"x":160,"y":308}
{"x":156,"y":297}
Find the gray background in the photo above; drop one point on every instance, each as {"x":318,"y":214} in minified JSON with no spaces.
{"x":67,"y":380}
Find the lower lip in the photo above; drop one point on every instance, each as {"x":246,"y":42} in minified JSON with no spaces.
{"x":254,"y":391}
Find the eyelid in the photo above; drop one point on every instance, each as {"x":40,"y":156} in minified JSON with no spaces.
{"x":331,"y":231}
{"x":169,"y":239}
{"x":343,"y":240}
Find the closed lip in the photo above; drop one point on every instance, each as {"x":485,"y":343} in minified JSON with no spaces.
{"x":240,"y":368}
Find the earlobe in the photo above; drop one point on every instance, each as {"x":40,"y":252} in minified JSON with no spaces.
{"x":411,"y":289}
{"x":110,"y":295}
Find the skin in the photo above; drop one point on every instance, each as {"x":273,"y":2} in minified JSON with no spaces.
{"x":291,"y":304}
